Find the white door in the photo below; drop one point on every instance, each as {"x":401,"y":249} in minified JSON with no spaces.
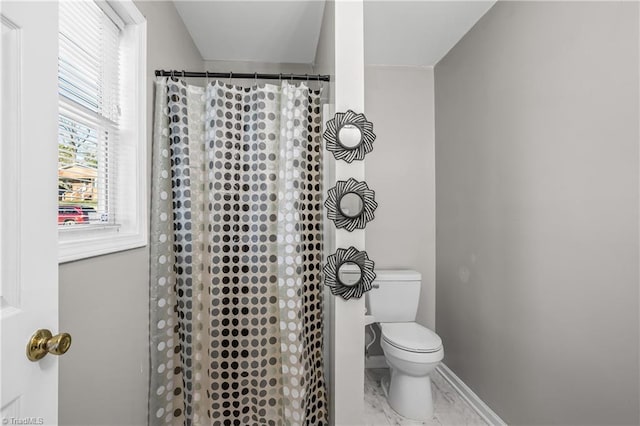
{"x":28,"y":198}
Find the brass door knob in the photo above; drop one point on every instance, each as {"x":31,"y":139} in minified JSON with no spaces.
{"x":43,"y":342}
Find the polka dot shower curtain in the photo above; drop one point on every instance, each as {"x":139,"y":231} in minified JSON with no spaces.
{"x":236,"y":246}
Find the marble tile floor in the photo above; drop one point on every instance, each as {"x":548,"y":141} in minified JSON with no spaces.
{"x":449,"y":407}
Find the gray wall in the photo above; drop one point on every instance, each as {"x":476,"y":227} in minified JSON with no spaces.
{"x":104,"y":301}
{"x":401,"y":170}
{"x":264,"y":67}
{"x":259,"y":67}
{"x":324,"y":63}
{"x":537,"y":211}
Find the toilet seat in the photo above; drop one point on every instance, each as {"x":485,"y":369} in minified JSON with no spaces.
{"x":411,"y":337}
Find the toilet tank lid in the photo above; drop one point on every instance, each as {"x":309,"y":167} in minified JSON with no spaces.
{"x":397,"y":275}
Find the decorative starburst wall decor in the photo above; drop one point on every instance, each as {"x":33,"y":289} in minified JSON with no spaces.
{"x":349,"y":273}
{"x":353,"y":219}
{"x":341,"y":150}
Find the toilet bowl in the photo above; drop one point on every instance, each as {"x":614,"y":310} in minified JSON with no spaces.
{"x":412,"y":353}
{"x":411,"y":350}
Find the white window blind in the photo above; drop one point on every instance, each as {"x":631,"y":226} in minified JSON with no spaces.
{"x":89,"y":62}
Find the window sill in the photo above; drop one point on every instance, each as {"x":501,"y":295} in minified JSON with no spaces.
{"x":103,"y":241}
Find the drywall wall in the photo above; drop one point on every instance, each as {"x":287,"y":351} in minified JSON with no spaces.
{"x":324,"y":63}
{"x":259,"y":67}
{"x":264,"y":67}
{"x":104,"y":301}
{"x":241,"y":30}
{"x":347,"y":393}
{"x":537,"y":211}
{"x":399,"y":101}
{"x":104,"y":305}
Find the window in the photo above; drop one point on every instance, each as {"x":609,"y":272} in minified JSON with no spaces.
{"x":88,"y":124}
{"x":101,"y":128}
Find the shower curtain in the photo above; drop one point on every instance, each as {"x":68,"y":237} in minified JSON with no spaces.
{"x":236,"y":245}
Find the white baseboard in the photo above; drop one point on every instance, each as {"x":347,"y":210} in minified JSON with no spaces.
{"x":468,"y":395}
{"x":375,"y":361}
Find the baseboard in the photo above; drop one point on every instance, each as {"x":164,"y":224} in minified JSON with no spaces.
{"x":468,"y":395}
{"x":375,"y":361}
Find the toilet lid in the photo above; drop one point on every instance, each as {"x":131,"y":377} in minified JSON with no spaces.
{"x":410,"y":336}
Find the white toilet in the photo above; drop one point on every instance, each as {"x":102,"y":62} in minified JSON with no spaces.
{"x":411,"y":350}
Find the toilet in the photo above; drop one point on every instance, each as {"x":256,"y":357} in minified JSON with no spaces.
{"x":411,"y":350}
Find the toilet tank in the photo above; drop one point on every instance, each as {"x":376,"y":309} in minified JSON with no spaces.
{"x":395,"y":295}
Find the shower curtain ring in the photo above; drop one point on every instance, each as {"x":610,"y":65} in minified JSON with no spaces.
{"x":280,"y":78}
{"x":230,"y":76}
{"x":307,"y":75}
{"x":173,"y":73}
{"x":255,"y":78}
{"x":183,"y":74}
{"x":206,"y":73}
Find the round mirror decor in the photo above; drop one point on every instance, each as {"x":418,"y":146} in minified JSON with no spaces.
{"x":350,"y":204}
{"x":349,"y":273}
{"x":349,"y":136}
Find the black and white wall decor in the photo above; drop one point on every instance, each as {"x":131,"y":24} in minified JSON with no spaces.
{"x":349,"y":136}
{"x":351,"y":204}
{"x":349,"y":273}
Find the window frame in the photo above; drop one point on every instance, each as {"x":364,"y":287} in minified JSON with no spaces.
{"x":82,"y":242}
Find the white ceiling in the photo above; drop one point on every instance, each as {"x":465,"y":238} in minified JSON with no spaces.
{"x":396,"y":32}
{"x":256,"y":31}
{"x":416,"y":32}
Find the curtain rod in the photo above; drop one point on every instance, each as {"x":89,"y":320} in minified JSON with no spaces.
{"x":257,"y":75}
